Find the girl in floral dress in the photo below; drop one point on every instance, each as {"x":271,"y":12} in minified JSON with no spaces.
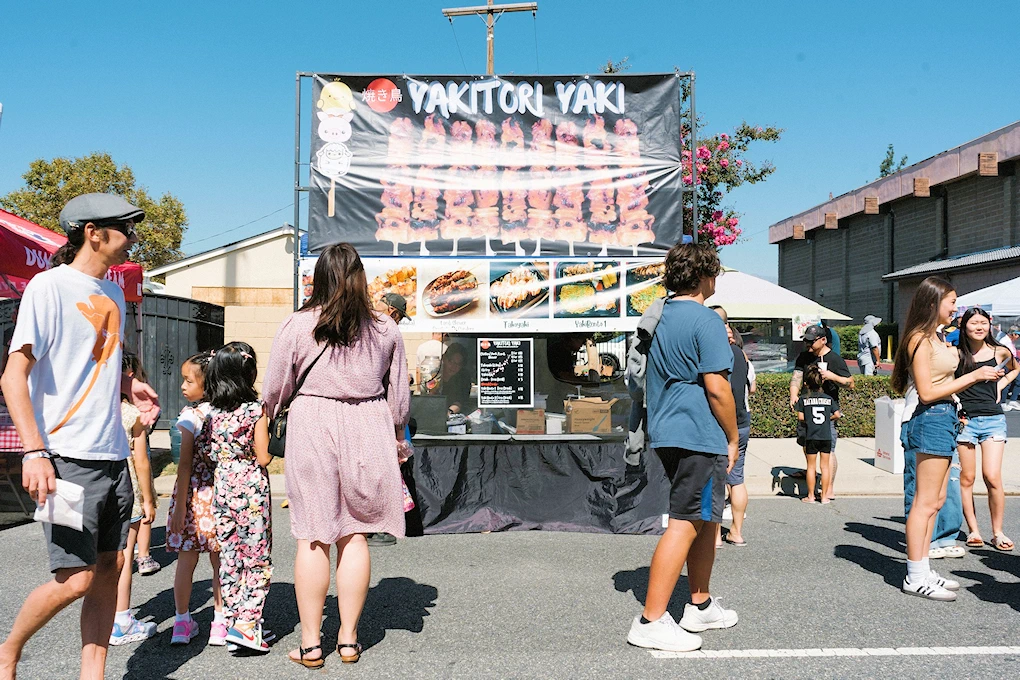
{"x":238,"y":443}
{"x":191,"y":527}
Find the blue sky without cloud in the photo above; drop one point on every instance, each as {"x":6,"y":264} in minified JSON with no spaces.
{"x":198,"y":97}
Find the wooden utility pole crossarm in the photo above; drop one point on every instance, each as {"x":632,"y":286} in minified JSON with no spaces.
{"x":490,"y":14}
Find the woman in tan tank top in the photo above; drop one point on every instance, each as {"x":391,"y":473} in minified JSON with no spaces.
{"x":924,"y":370}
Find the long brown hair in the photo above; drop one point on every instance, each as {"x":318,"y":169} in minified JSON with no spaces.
{"x":922,"y":320}
{"x":340,"y":291}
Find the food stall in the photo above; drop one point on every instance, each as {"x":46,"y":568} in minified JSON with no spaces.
{"x":524,"y":221}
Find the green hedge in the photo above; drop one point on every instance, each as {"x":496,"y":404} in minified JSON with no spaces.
{"x":771,"y":416}
{"x":848,"y":338}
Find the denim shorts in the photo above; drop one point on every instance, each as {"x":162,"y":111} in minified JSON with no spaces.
{"x":931,"y":430}
{"x":982,"y":428}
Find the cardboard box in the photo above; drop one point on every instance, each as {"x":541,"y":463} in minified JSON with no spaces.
{"x":531,"y":421}
{"x":589,"y":414}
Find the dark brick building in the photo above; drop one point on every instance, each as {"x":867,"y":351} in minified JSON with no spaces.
{"x":956,"y":214}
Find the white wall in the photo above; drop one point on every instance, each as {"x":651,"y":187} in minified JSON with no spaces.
{"x":269,"y":264}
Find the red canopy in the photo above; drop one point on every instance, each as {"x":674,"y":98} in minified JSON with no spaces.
{"x":25,"y":250}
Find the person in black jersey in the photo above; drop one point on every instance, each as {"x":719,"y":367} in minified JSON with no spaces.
{"x":816,"y":410}
{"x":985,"y":424}
{"x":835,"y":374}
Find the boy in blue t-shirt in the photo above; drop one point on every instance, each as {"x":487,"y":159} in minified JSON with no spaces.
{"x":692,"y":426}
{"x":814,"y":411}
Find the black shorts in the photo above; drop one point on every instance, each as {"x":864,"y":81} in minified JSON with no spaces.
{"x":813,"y":446}
{"x":106,"y":515}
{"x":697,"y":484}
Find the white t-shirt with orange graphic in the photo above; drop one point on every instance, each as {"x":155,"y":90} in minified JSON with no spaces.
{"x":75,"y":326}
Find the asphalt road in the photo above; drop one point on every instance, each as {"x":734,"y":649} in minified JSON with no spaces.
{"x":558,"y":605}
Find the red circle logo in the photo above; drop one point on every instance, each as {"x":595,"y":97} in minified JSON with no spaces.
{"x":485,"y":344}
{"x":382,"y":95}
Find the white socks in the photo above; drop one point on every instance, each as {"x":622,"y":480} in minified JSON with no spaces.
{"x":917,"y":571}
{"x":123,"y":619}
{"x":218,"y":617}
{"x":186,"y":616}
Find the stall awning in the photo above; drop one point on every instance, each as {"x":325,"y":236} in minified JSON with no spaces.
{"x":25,"y":250}
{"x":1002,"y":299}
{"x":747,"y":297}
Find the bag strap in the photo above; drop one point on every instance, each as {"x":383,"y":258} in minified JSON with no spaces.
{"x":301,"y":380}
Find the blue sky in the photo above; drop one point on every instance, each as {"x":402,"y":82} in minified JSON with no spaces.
{"x":198,"y":97}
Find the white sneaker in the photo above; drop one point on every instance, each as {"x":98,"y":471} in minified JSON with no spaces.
{"x":954,"y":551}
{"x":928,"y":588}
{"x":936,"y":553}
{"x":1014,"y":405}
{"x":947,"y":583}
{"x":697,"y":620}
{"x":662,"y":634}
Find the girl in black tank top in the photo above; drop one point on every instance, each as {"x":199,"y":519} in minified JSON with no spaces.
{"x":984,"y":424}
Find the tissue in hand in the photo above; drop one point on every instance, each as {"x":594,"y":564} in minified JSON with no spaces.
{"x":64,"y":507}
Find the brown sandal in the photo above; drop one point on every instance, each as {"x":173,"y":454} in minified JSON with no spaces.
{"x":1002,"y":542}
{"x":308,"y":663}
{"x":974,"y":540}
{"x":350,"y":658}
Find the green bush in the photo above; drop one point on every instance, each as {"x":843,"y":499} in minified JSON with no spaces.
{"x":848,"y":338}
{"x":771,"y":416}
{"x":848,"y":341}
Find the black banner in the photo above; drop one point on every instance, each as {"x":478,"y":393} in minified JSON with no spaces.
{"x":486,"y":166}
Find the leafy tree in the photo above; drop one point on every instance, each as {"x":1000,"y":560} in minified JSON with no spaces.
{"x":722,"y":165}
{"x":888,"y":165}
{"x":49,"y":185}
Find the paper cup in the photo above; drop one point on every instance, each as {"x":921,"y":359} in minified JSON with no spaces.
{"x":823,"y":365}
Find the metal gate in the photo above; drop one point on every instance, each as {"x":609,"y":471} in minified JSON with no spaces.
{"x":173,"y":329}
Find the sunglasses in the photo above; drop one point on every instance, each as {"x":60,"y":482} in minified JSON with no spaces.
{"x":126,"y":228}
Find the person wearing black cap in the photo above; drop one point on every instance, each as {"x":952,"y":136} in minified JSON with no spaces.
{"x":394,"y":306}
{"x":62,"y":384}
{"x":835,"y":374}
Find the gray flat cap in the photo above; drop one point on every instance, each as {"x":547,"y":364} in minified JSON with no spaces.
{"x":97,"y":208}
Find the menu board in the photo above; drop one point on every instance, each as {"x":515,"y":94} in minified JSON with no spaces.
{"x":506,"y":372}
{"x":516,"y":295}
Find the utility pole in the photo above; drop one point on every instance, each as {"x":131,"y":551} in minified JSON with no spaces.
{"x":491,"y":16}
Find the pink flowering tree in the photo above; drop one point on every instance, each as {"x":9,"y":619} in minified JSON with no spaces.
{"x":722,"y":164}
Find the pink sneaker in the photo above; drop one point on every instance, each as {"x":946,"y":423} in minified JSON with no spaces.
{"x":184,"y":632}
{"x":218,"y":634}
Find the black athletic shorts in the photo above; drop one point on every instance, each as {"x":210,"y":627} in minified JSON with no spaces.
{"x":813,"y":446}
{"x":697,"y":484}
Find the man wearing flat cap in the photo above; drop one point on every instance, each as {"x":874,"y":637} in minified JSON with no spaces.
{"x":62,"y":385}
{"x":835,"y":374}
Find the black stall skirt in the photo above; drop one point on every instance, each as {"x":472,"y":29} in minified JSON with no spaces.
{"x":553,"y":486}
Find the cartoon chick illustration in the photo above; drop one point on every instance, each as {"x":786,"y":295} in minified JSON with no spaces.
{"x":336,"y":95}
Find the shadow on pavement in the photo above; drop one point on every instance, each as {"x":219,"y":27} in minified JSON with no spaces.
{"x":394,"y":604}
{"x":987,"y":587}
{"x":155,"y":657}
{"x":789,"y":485}
{"x":900,"y":519}
{"x":636,"y":581}
{"x":891,"y":569}
{"x":890,"y":538}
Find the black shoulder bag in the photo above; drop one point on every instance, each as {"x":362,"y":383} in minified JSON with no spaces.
{"x":278,"y":427}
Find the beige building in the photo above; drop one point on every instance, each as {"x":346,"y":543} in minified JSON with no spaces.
{"x":252,"y":279}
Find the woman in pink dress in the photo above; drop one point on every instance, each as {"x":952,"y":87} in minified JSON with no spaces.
{"x":343,"y":477}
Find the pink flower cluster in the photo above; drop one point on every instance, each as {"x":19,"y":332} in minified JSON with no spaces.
{"x":722,"y":231}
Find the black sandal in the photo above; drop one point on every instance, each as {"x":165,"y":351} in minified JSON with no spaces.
{"x":309,"y":663}
{"x":351,"y":658}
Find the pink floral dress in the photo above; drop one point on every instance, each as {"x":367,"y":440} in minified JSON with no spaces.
{"x":242,"y":507}
{"x":199,"y":523}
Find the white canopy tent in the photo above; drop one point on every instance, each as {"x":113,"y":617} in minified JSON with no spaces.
{"x":1002,"y":299}
{"x":747,"y":297}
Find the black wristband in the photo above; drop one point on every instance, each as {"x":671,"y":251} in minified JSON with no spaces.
{"x":25,"y":453}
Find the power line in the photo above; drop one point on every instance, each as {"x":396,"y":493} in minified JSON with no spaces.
{"x":457,"y":43}
{"x":240,"y":226}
